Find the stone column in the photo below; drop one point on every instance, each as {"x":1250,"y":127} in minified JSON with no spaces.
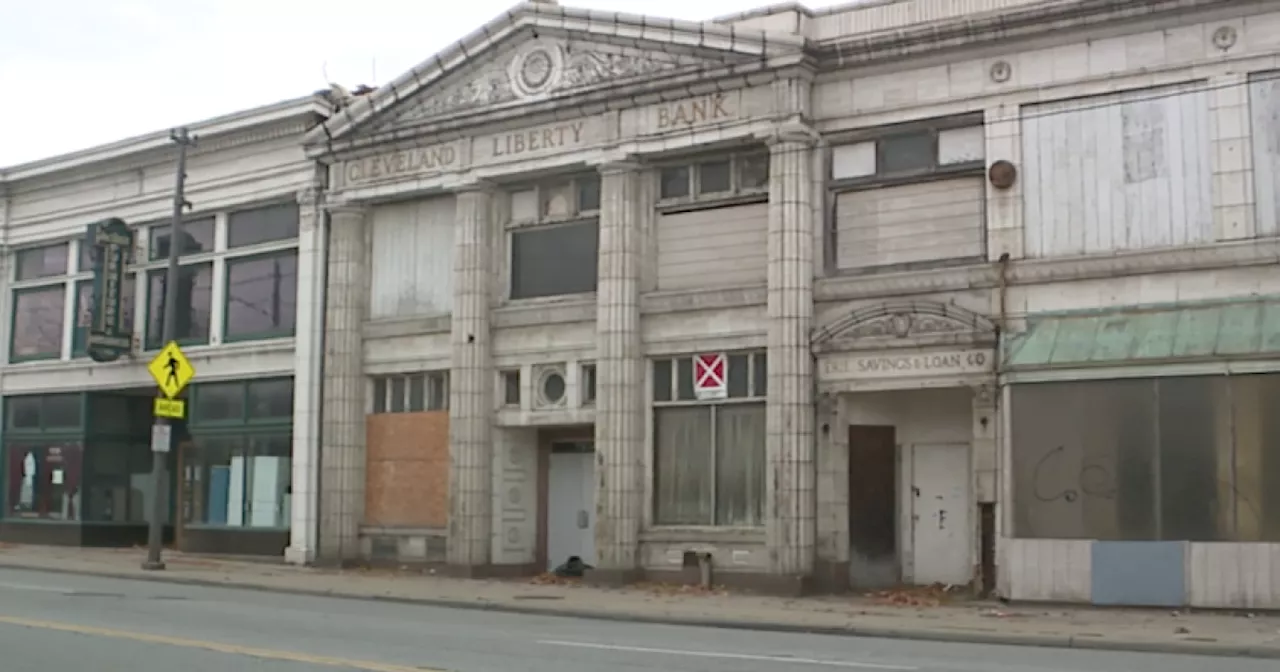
{"x":790,"y":525}
{"x":471,"y":393}
{"x":307,"y":379}
{"x":342,"y":451}
{"x":620,"y":374}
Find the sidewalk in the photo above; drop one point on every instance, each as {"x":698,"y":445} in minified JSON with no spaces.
{"x":903,"y":616}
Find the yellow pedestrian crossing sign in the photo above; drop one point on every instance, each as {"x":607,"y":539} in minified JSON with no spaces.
{"x":171,"y":369}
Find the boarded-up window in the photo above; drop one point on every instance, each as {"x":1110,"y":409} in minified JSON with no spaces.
{"x":714,"y":247}
{"x":1120,"y":172}
{"x":910,"y":223}
{"x":909,"y":197}
{"x":411,"y":270}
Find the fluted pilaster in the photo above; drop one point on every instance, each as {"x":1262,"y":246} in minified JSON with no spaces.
{"x":620,"y":373}
{"x":790,"y":525}
{"x":471,"y":395}
{"x":342,"y":479}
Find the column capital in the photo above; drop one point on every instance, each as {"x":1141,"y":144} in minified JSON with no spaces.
{"x":791,"y":132}
{"x":475,"y":186}
{"x":309,"y":195}
{"x":619,"y":163}
{"x":337,"y":208}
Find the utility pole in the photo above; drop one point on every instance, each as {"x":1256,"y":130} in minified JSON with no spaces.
{"x":155,"y":529}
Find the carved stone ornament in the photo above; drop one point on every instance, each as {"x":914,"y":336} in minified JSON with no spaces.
{"x":538,"y":69}
{"x":1224,"y":38}
{"x":1001,"y":72}
{"x":904,"y":319}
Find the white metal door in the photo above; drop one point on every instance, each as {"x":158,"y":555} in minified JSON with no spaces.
{"x":940,"y":521}
{"x":571,"y":508}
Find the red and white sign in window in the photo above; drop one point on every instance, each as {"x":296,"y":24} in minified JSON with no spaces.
{"x":710,"y":373}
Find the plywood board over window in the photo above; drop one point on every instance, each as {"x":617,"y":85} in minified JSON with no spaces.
{"x":909,"y":198}
{"x":1120,"y":172}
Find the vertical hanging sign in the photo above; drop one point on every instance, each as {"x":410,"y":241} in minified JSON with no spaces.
{"x":110,"y":242}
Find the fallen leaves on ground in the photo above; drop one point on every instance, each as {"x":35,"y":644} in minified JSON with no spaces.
{"x":915,"y":596}
{"x":681,"y":589}
{"x":551,"y":579}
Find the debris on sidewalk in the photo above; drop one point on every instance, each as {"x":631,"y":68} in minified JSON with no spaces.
{"x":915,"y":596}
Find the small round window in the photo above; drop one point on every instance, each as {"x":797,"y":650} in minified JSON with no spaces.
{"x":553,"y":387}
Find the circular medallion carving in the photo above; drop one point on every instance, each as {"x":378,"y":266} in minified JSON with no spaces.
{"x":1224,"y":38}
{"x":536,"y":70}
{"x":513,"y":535}
{"x":1001,"y":71}
{"x":513,"y":496}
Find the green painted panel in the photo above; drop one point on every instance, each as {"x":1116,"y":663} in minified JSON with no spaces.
{"x":1237,"y":329}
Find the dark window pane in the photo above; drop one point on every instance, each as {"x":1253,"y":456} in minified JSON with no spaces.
{"x":43,"y":481}
{"x":684,"y":379}
{"x":589,"y":384}
{"x":84,"y":311}
{"x":588,"y":194}
{"x":37,"y":322}
{"x":197,"y":238}
{"x":61,"y":411}
{"x":417,"y":393}
{"x":42,"y":262}
{"x":753,"y":171}
{"x":271,"y":399}
{"x":262,"y":225}
{"x":24,"y":412}
{"x":554,"y":261}
{"x":195,"y":298}
{"x":379,"y":395}
{"x":438,"y":399}
{"x":911,"y":151}
{"x":397,"y":395}
{"x":675,"y":182}
{"x":715,"y":177}
{"x":662,"y":380}
{"x":262,"y":295}
{"x":219,"y":402}
{"x":739,"y":376}
{"x":511,"y":388}
{"x":111,"y":470}
{"x":760,"y":375}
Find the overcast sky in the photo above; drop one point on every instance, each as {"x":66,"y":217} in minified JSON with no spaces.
{"x":78,"y":73}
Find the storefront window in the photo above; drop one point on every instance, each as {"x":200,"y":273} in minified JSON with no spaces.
{"x":43,"y":481}
{"x":710,"y":456}
{"x":1166,"y":459}
{"x":238,"y":467}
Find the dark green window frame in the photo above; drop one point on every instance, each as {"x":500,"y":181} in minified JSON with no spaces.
{"x":13,"y":323}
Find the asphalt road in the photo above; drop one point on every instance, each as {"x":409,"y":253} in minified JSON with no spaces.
{"x":63,"y":622}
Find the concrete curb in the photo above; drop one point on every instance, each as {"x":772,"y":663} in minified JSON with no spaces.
{"x":1064,"y":641}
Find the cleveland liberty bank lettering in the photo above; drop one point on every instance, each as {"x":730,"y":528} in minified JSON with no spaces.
{"x":537,"y":139}
{"x":422,"y":161}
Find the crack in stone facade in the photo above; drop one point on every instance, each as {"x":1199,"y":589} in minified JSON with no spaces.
{"x":471,"y":396}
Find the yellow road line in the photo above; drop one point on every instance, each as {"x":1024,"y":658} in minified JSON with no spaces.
{"x":268,"y":654}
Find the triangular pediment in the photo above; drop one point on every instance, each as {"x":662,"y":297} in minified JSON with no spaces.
{"x":543,"y":53}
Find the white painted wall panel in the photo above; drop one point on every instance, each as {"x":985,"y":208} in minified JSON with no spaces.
{"x":1047,"y":570}
{"x":910,"y":223}
{"x":1235,"y":576}
{"x":1120,"y":172}
{"x":411,"y":270}
{"x":1264,"y":104}
{"x":716,"y":247}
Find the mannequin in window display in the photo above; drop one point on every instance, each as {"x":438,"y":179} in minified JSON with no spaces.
{"x":26,"y":496}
